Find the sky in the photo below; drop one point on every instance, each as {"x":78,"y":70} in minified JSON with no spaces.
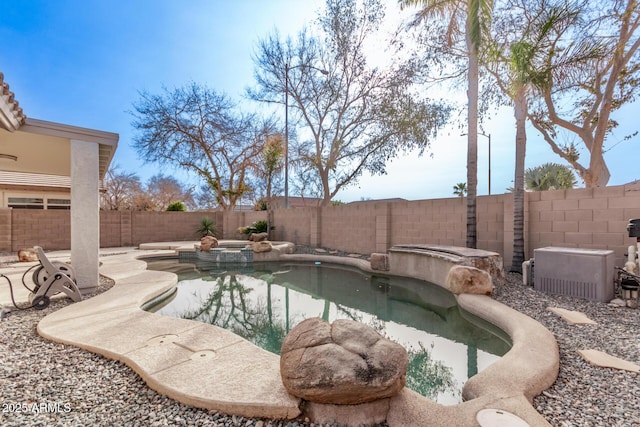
{"x":84,"y":63}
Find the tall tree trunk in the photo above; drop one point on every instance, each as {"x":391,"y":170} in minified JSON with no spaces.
{"x":598,"y":172}
{"x":520,"y":113}
{"x":472,"y":139}
{"x":326,"y":191}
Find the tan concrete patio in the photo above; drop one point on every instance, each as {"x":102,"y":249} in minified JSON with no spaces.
{"x":208,"y":367}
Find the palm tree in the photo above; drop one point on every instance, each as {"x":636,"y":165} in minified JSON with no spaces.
{"x":477,"y":16}
{"x":520,"y":63}
{"x":549,"y":176}
{"x":522,"y":76}
{"x":460,"y":189}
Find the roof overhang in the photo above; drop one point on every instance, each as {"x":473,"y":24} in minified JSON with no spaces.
{"x":43,"y":147}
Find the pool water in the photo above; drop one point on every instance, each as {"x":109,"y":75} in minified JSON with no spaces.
{"x":262,"y":302}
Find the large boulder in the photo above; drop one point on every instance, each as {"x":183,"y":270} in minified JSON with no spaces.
{"x":469,"y":280}
{"x":263,"y":246}
{"x":344,"y":363}
{"x":208,"y":242}
{"x":258,"y":237}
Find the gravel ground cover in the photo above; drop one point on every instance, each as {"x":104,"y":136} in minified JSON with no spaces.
{"x":49,"y":384}
{"x":584,"y":395}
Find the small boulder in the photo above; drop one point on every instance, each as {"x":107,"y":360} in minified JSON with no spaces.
{"x":469,"y":280}
{"x":618,"y":302}
{"x":344,"y":363}
{"x":258,"y":237}
{"x":264,"y":246}
{"x":208,"y":242}
{"x":27,"y":255}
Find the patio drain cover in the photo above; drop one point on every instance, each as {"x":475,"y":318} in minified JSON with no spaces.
{"x":499,"y":418}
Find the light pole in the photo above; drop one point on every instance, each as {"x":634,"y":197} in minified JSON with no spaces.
{"x":286,"y":124}
{"x":286,"y":136}
{"x":489,"y":157}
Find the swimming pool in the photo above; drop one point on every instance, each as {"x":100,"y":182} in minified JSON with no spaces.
{"x":262,"y":302}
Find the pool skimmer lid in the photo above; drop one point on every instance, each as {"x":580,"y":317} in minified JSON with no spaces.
{"x":499,"y":418}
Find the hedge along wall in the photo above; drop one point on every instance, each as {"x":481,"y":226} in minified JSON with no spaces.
{"x":587,"y":218}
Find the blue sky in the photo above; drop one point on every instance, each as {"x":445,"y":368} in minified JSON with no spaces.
{"x":83,"y":62}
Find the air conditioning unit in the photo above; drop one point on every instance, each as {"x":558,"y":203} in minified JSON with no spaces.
{"x":583,"y":273}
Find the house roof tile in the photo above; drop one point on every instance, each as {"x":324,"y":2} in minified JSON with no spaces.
{"x":11,"y":115}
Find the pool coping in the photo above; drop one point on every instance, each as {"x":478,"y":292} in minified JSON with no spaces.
{"x":205,"y":366}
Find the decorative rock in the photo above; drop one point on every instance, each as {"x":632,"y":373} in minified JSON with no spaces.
{"x":263,"y":246}
{"x":469,"y":280}
{"x":600,"y":358}
{"x":208,"y":242}
{"x":491,"y":264}
{"x":617,"y":302}
{"x":27,"y":255}
{"x":572,"y":317}
{"x":379,"y":262}
{"x":258,"y":237}
{"x":345,"y":363}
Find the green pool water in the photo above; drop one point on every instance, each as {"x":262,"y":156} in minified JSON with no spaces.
{"x":262,"y":302}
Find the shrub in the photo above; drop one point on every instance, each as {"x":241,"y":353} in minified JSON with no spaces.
{"x":259,"y":226}
{"x":207,"y":227}
{"x":177,"y":206}
{"x":256,"y":227}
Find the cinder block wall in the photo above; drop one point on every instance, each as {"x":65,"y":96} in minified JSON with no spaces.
{"x":169,"y":226}
{"x":593,"y":218}
{"x":490,"y":223}
{"x":586,"y":218}
{"x":437,"y":221}
{"x":5,"y":230}
{"x":111,"y":224}
{"x":298,"y":225}
{"x":50,"y":229}
{"x":351,"y":228}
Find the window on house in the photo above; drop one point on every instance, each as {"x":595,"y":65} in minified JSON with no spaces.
{"x":38,"y":203}
{"x":25,"y":203}
{"x":58,"y":204}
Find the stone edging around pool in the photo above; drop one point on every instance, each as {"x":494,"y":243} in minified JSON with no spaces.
{"x":208,"y":367}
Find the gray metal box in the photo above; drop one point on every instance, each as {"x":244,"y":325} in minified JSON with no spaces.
{"x":583,"y":273}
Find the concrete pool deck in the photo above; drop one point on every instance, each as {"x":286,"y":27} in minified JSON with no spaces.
{"x":208,"y":367}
